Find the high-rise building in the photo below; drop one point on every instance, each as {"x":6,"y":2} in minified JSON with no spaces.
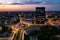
{"x":40,"y":11}
{"x":40,"y":15}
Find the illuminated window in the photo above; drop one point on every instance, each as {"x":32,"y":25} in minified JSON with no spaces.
{"x":0,"y":28}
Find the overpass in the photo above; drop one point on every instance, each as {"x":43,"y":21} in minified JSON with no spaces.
{"x":24,"y":25}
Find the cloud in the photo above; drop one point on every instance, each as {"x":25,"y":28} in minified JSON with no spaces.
{"x":49,"y":2}
{"x":41,"y":1}
{"x":52,"y":2}
{"x":31,"y":1}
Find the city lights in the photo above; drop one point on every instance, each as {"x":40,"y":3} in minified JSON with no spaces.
{"x":29,"y":19}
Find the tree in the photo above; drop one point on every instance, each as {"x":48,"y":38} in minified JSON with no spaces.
{"x":48,"y":32}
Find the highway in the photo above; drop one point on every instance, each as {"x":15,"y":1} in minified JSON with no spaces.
{"x":28,"y":25}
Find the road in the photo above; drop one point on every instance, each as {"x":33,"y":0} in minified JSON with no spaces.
{"x":20,"y":30}
{"x":20,"y":34}
{"x":57,"y":22}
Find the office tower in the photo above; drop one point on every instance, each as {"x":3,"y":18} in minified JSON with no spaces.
{"x":40,"y":15}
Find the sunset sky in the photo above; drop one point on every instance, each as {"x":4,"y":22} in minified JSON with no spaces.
{"x":30,"y":5}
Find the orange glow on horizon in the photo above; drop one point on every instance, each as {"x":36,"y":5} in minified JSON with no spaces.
{"x":14,"y":8}
{"x":30,"y":7}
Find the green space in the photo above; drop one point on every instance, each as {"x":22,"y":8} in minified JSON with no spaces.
{"x":45,"y":33}
{"x":5,"y":32}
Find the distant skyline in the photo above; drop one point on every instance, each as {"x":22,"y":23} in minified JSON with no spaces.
{"x":51,"y":5}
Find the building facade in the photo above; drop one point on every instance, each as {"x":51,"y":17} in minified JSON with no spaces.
{"x":40,"y":15}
